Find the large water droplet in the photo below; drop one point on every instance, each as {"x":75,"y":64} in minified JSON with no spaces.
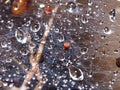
{"x":21,"y":36}
{"x":75,"y":73}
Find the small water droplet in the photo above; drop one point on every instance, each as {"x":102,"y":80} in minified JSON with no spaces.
{"x":4,"y":44}
{"x":84,"y":50}
{"x":41,"y":5}
{"x":84,"y":19}
{"x":71,"y":6}
{"x":21,"y":36}
{"x":60,"y":37}
{"x":5,"y":84}
{"x":107,"y":30}
{"x":49,"y":46}
{"x":24,"y":51}
{"x":35,"y":26}
{"x":10,"y":24}
{"x":75,"y":73}
{"x":116,"y":51}
{"x":39,"y":13}
{"x":90,"y":2}
{"x":36,"y":37}
{"x":62,"y":57}
{"x":56,"y":30}
{"x":115,"y":73}
{"x":112,"y":15}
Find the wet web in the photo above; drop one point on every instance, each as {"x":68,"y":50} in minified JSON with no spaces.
{"x":90,"y":26}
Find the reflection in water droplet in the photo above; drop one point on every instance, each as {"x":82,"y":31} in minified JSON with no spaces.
{"x":107,"y":30}
{"x":75,"y":73}
{"x":21,"y":36}
{"x":71,"y":6}
{"x":35,"y":26}
{"x":112,"y":15}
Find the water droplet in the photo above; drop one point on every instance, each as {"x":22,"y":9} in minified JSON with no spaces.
{"x":5,"y":84}
{"x":58,"y":16}
{"x":4,"y":44}
{"x":107,"y":30}
{"x":49,"y":46}
{"x":35,"y":26}
{"x":27,"y":21}
{"x":103,"y":36}
{"x":84,"y":19}
{"x":62,"y":57}
{"x":118,"y":62}
{"x":75,"y":73}
{"x":90,"y":2}
{"x":24,"y":51}
{"x":71,"y":6}
{"x":60,"y":37}
{"x":10,"y":24}
{"x":8,"y":60}
{"x":36,"y":37}
{"x":90,"y":73}
{"x":115,"y":73}
{"x":84,"y":50}
{"x":38,"y":13}
{"x":112,"y":15}
{"x":41,"y":5}
{"x":116,"y":51}
{"x":21,"y":36}
{"x":32,"y":45}
{"x":56,"y":30}
{"x":101,"y":22}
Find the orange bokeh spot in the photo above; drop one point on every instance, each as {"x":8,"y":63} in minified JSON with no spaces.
{"x":48,"y":10}
{"x":66,"y":45}
{"x":18,"y":6}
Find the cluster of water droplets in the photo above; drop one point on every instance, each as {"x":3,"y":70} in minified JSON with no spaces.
{"x":84,"y":24}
